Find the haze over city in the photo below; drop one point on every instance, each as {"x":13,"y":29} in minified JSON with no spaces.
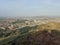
{"x":13,"y":8}
{"x":29,"y":22}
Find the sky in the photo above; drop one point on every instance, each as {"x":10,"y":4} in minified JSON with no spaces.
{"x":11,"y":8}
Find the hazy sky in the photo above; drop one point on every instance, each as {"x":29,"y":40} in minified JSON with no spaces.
{"x":29,"y":7}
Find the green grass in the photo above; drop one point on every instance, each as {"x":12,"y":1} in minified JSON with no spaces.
{"x":24,"y":32}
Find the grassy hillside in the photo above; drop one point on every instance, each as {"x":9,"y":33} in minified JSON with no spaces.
{"x":37,"y":35}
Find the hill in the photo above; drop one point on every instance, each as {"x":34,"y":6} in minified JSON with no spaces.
{"x":44,"y":34}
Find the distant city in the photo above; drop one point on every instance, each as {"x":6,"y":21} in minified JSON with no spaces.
{"x":16,"y":23}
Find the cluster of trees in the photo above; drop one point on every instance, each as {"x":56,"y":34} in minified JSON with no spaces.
{"x":19,"y":21}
